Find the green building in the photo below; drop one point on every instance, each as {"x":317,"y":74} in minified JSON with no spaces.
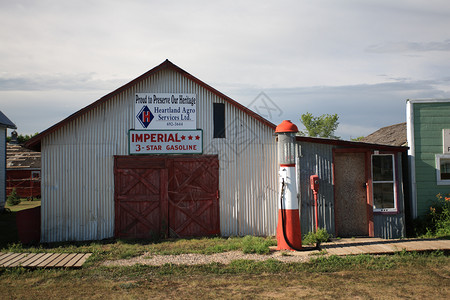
{"x":428,"y":131}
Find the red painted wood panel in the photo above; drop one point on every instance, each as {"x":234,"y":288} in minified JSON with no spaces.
{"x":166,"y":195}
{"x":25,"y":184}
{"x":138,"y":200}
{"x":28,"y":222}
{"x":193,"y":196}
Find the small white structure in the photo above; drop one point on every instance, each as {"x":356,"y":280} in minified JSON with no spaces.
{"x":101,"y":178}
{"x":4,"y":124}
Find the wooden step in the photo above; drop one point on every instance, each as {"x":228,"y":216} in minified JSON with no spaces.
{"x":43,"y":260}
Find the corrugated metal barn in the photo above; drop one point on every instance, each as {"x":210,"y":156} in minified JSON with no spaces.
{"x":168,"y":155}
{"x":95,"y":187}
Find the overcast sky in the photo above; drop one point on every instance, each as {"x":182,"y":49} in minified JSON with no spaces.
{"x":360,"y":59}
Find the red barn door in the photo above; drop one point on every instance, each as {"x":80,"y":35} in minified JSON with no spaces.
{"x":140,"y":198}
{"x":166,"y":195}
{"x":194,"y":196}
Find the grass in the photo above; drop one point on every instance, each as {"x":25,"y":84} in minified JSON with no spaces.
{"x":123,"y":249}
{"x":24,"y":204}
{"x":402,"y":275}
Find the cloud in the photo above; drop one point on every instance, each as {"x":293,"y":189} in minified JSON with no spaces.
{"x":42,"y":82}
{"x":361,"y":108}
{"x":34,"y":110}
{"x":401,"y":47}
{"x":305,"y":55}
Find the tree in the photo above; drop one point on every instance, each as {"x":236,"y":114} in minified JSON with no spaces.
{"x":357,"y":139}
{"x":22,"y":138}
{"x":323,"y":126}
{"x":13,"y":198}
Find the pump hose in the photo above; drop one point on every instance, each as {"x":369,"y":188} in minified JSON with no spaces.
{"x":283,"y":217}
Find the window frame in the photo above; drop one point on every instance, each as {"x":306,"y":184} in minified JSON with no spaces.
{"x":219,"y":121}
{"x":34,"y":173}
{"x":438,"y":158}
{"x":394,"y":182}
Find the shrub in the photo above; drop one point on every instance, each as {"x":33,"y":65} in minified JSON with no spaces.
{"x":436,"y":223}
{"x":13,"y":198}
{"x":259,"y":245}
{"x":316,"y":238}
{"x":440,"y":217}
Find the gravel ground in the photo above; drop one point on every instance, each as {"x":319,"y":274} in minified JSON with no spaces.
{"x":198,"y":259}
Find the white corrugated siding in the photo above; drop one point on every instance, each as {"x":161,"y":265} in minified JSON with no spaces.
{"x":78,"y":177}
{"x":316,"y":159}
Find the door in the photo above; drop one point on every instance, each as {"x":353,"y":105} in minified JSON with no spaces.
{"x":166,"y":195}
{"x":193,"y":196}
{"x":140,"y":198}
{"x":351,"y":207}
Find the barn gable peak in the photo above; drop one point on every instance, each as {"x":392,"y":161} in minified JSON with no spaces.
{"x":35,"y":142}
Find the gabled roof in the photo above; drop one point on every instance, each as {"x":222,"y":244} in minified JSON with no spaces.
{"x":351,"y":144}
{"x":394,"y":135}
{"x":6,"y":122}
{"x":35,"y":142}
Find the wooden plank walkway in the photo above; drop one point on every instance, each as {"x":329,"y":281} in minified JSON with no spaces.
{"x":380,"y":246}
{"x":43,"y":260}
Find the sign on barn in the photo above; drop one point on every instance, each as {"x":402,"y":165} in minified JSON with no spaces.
{"x":165,"y":111}
{"x":166,"y":141}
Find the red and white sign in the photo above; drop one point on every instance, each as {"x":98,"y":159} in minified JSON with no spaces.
{"x":165,"y":141}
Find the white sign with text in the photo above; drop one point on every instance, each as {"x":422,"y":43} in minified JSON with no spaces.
{"x":165,"y":111}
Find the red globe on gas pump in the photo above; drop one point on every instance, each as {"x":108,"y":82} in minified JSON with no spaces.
{"x":289,"y":236}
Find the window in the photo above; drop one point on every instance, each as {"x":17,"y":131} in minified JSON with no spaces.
{"x":443,"y":169}
{"x":219,"y":120}
{"x":383,"y":183}
{"x":35,"y":175}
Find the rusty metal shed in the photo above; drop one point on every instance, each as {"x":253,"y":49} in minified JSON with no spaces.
{"x":348,"y":194}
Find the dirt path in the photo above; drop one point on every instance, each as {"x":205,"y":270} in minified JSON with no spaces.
{"x":198,"y":259}
{"x":336,"y":247}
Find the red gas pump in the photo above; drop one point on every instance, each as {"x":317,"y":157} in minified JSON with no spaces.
{"x":314,"y":181}
{"x":289,"y":235}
